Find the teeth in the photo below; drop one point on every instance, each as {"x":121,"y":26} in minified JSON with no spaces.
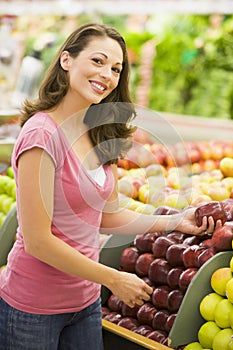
{"x":98,"y":86}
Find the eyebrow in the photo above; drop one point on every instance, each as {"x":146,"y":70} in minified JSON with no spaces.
{"x":102,"y":53}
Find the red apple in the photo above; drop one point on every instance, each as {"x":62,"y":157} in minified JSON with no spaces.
{"x":214,"y":209}
{"x":129,"y":323}
{"x":174,"y":300}
{"x":174,"y":276}
{"x":113,"y":317}
{"x":128,"y":259}
{"x":189,"y":256}
{"x":144,"y":242}
{"x":114,"y":303}
{"x":105,"y":311}
{"x":160,"y":295}
{"x":143,"y":263}
{"x":186,"y":277}
{"x":221,"y":239}
{"x":177,"y":236}
{"x":192,"y":240}
{"x":143,"y":330}
{"x":160,"y":319}
{"x":174,"y":254}
{"x":158,"y":336}
{"x":160,"y":246}
{"x":170,"y":321}
{"x":158,"y":271}
{"x":146,"y":313}
{"x":129,"y":311}
{"x":205,"y":255}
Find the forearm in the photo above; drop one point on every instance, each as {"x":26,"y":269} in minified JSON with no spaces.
{"x":63,"y":257}
{"x":126,"y":221}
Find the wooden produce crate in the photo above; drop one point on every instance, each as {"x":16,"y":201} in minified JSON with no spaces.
{"x":188,"y":320}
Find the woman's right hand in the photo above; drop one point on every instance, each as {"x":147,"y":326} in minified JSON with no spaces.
{"x":131,"y":289}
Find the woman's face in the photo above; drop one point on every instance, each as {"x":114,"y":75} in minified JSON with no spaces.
{"x":95,"y":72}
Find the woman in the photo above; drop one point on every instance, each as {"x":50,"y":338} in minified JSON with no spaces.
{"x":65,"y":170}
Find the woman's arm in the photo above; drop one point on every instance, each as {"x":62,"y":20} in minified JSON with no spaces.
{"x":36,"y":193}
{"x":124,"y":221}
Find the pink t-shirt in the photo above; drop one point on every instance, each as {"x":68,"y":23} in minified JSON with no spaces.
{"x":29,"y":284}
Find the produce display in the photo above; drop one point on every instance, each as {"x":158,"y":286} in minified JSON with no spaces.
{"x":169,"y":182}
{"x":7,"y":193}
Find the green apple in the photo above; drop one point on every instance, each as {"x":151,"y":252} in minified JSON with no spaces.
{"x":208,"y":304}
{"x":6,"y":204}
{"x":207,"y":332}
{"x":222,"y":339}
{"x":10,"y":172}
{"x":231,"y":264}
{"x":222,"y":311}
{"x":229,"y":290}
{"x":3,"y":196}
{"x":193,"y":346}
{"x":3,"y":182}
{"x":219,"y":279}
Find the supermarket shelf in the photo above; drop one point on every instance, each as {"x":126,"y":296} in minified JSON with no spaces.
{"x":75,"y":7}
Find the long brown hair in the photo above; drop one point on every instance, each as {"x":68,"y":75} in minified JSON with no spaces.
{"x":56,"y":84}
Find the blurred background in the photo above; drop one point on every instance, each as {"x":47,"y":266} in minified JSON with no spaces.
{"x":181,"y":51}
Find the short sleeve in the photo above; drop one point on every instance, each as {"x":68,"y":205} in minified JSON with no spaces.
{"x":36,"y":138}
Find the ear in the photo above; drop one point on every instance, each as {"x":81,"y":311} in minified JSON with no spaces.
{"x":65,"y":60}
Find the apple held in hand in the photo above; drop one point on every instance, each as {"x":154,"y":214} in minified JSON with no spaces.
{"x":214,"y":209}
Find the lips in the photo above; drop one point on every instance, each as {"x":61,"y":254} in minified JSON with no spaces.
{"x":97,"y":86}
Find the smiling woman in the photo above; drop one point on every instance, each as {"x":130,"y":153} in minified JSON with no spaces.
{"x":80,"y":122}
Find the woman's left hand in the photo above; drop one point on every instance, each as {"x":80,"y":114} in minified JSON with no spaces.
{"x":188,"y":224}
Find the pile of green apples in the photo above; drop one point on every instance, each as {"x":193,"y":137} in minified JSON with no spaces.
{"x":7,"y":193}
{"x":216,"y":309}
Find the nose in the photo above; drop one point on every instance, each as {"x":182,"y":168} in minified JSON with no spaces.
{"x":106,"y":72}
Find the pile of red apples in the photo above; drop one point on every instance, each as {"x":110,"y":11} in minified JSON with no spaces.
{"x":168,"y":262}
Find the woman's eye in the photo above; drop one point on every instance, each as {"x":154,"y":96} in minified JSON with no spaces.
{"x":116,"y":70}
{"x":97,"y":60}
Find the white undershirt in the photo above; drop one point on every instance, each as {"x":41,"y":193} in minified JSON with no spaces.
{"x":98,"y":175}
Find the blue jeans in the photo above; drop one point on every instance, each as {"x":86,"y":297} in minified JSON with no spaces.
{"x":69,"y":331}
